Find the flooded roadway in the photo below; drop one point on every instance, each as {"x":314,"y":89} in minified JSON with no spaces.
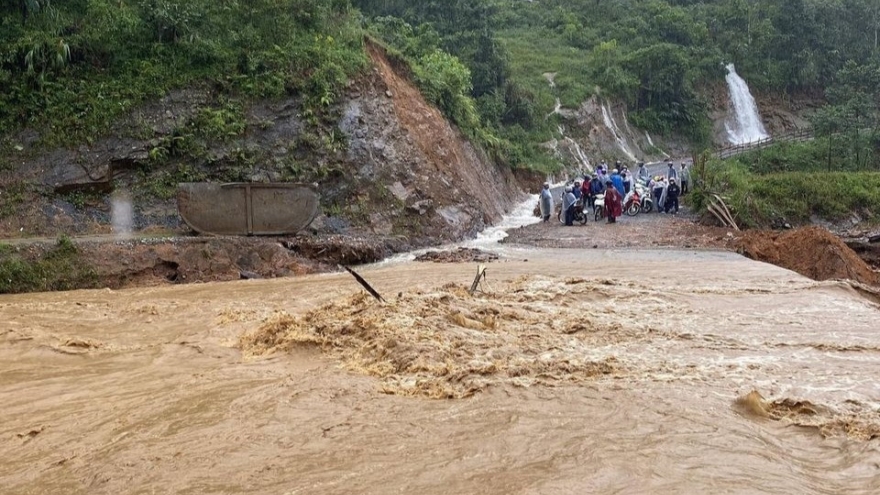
{"x":155,"y":390}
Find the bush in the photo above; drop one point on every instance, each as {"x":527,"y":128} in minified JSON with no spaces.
{"x":60,"y":268}
{"x":763,"y":200}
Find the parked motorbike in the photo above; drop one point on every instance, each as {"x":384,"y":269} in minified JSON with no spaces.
{"x":645,"y":200}
{"x":599,"y":207}
{"x":632,"y":204}
{"x":579,"y":213}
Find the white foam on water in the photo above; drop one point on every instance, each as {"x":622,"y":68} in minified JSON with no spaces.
{"x":522,"y":215}
{"x":489,"y":239}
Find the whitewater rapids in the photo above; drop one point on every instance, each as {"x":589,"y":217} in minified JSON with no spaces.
{"x":573,"y":372}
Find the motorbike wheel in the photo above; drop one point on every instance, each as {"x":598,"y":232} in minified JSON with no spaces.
{"x":600,"y":213}
{"x":582,"y":218}
{"x":648,"y":207}
{"x":633,"y":209}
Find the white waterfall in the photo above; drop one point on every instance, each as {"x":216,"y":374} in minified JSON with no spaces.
{"x":745,"y":125}
{"x":580,"y":156}
{"x":608,"y":117}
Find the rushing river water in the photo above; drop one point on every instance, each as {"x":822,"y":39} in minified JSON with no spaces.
{"x":577,"y":371}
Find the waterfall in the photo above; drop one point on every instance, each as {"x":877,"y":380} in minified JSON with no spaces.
{"x":608,"y":117}
{"x":745,"y":125}
{"x":580,"y":156}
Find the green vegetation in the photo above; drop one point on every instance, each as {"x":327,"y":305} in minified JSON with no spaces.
{"x":795,"y":182}
{"x":11,"y":196}
{"x":61,"y":268}
{"x":655,"y":56}
{"x":69,"y":69}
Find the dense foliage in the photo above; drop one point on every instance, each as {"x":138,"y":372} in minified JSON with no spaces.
{"x":61,"y":267}
{"x":70,"y":67}
{"x":654,"y":55}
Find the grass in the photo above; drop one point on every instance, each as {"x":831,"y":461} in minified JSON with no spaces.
{"x":60,"y":268}
{"x":534,"y":52}
{"x":763,"y":200}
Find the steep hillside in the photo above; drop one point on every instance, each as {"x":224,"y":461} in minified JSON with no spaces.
{"x":389,"y":164}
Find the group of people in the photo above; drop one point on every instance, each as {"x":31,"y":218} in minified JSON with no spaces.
{"x":615,"y":185}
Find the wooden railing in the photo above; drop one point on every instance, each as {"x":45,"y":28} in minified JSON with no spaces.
{"x":738,"y":149}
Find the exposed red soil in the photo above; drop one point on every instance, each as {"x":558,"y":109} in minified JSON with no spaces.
{"x":811,"y":251}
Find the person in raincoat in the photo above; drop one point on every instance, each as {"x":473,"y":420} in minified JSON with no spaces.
{"x":568,"y":201}
{"x":546,"y":202}
{"x":657,"y":192}
{"x":685,"y":178}
{"x":662,"y":204}
{"x":613,"y":203}
{"x":672,"y":193}
{"x":617,"y":181}
{"x":671,"y":173}
{"x":644,"y":176}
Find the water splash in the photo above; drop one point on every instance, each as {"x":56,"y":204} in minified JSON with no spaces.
{"x":121,"y":214}
{"x":745,"y":126}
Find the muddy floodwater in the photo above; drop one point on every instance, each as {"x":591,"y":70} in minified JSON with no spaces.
{"x":576,"y":372}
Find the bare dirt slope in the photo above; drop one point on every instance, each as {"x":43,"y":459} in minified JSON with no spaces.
{"x":810,"y":251}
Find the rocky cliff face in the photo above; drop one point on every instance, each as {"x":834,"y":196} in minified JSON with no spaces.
{"x":384,"y":161}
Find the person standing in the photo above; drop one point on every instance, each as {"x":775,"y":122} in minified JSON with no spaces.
{"x":685,"y":178}
{"x":546,"y":202}
{"x":568,"y":201}
{"x":617,"y":181}
{"x":627,"y":181}
{"x":665,"y":185}
{"x":613,"y":203}
{"x":644,"y":176}
{"x":671,"y":173}
{"x":657,"y":191}
{"x":672,"y":192}
{"x":596,"y":188}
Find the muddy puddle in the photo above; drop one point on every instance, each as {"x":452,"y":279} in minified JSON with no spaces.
{"x":568,"y":372}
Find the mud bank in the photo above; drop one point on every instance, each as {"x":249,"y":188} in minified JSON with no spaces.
{"x":811,"y":251}
{"x":115,"y":264}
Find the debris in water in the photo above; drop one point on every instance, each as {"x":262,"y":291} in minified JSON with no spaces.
{"x":856,"y":422}
{"x":364,"y":283}
{"x":448,"y":344}
{"x":460,"y":255}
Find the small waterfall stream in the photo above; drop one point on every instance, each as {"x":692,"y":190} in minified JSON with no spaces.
{"x":745,"y":125}
{"x":608,"y":117}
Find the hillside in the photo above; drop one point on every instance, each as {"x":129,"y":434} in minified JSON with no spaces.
{"x":329,"y":112}
{"x":134,"y":97}
{"x":660,"y":63}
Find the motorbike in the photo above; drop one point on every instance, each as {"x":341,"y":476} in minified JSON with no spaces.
{"x":632,"y":203}
{"x":599,"y":207}
{"x":645,"y":200}
{"x":580,"y":215}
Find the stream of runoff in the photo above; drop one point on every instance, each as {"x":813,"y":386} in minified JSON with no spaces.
{"x":624,"y":372}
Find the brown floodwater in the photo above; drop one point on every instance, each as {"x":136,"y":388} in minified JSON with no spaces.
{"x":572,"y":372}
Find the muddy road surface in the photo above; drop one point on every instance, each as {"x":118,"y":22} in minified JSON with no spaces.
{"x":597,"y":371}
